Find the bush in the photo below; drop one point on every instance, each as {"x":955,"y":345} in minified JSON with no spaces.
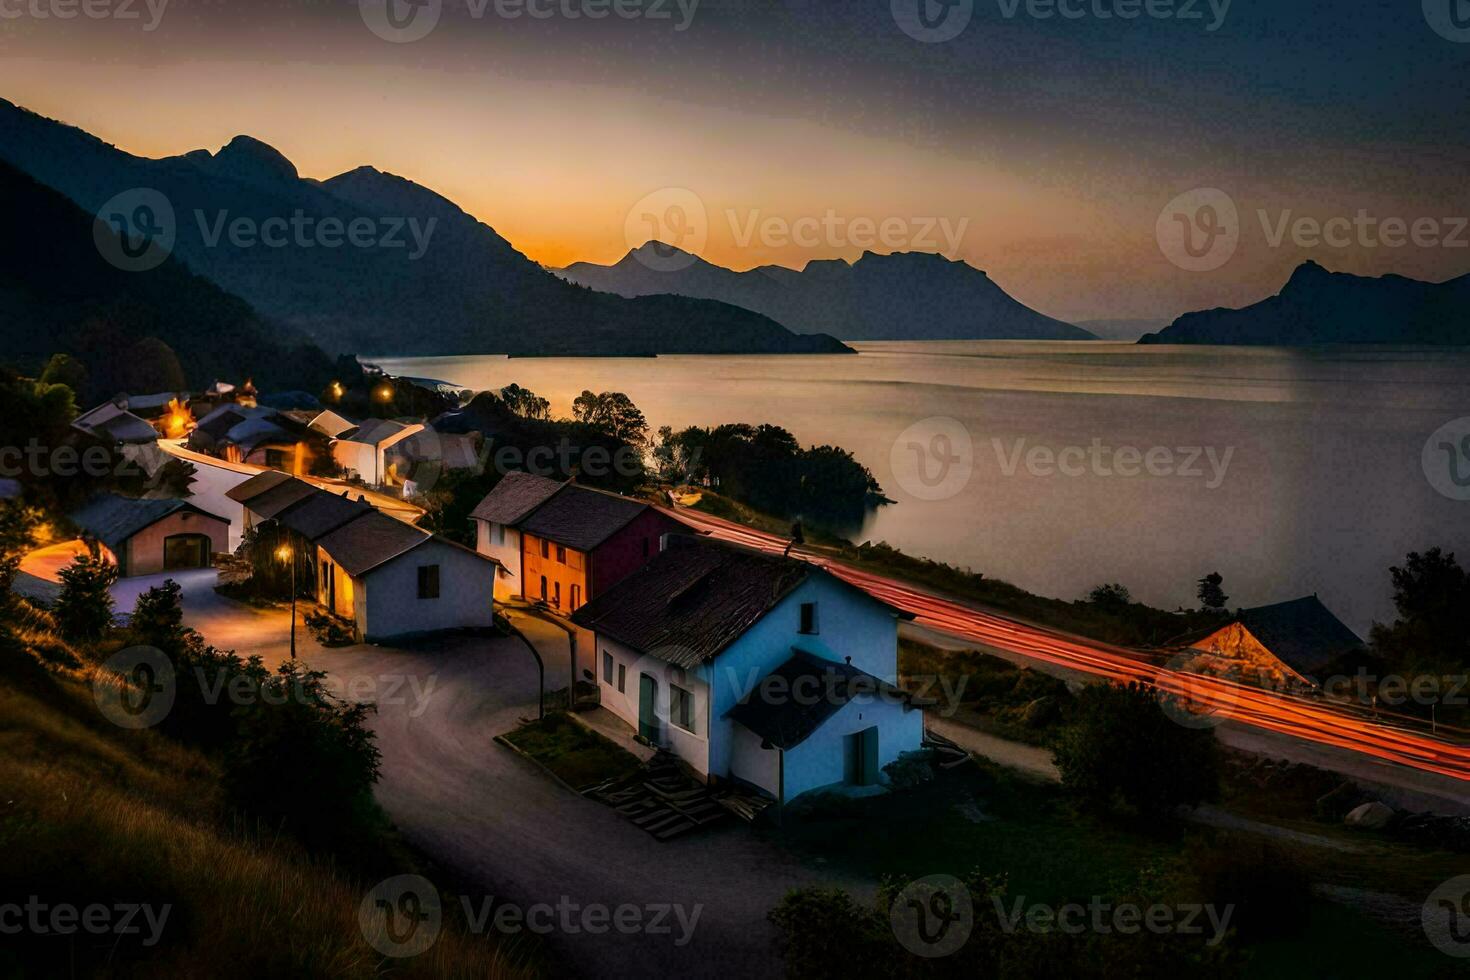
{"x":910,"y":770}
{"x":329,"y":631}
{"x":158,"y":615}
{"x":1122,"y":752}
{"x":84,"y":608}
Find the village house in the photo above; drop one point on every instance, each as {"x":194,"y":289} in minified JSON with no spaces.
{"x":565,"y":544}
{"x":362,"y":451}
{"x":147,"y":536}
{"x":1288,"y":643}
{"x":256,"y":435}
{"x":114,"y":425}
{"x":763,"y":670}
{"x":391,"y":580}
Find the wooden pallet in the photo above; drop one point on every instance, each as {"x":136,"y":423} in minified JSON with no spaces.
{"x":660,"y":798}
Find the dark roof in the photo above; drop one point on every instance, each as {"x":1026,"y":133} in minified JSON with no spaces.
{"x":692,"y":600}
{"x":1301,"y":633}
{"x":515,"y":496}
{"x":127,"y":427}
{"x":112,"y":519}
{"x":372,"y":539}
{"x":581,"y":518}
{"x":257,"y":485}
{"x":794,"y":700}
{"x":321,"y":513}
{"x":373,"y":432}
{"x":275,"y":500}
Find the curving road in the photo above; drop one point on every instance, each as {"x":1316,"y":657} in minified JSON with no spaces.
{"x":1216,"y":699}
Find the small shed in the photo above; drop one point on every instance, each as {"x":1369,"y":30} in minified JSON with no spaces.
{"x":147,"y":536}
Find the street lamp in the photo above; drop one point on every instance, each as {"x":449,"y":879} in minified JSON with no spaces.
{"x":284,"y":553}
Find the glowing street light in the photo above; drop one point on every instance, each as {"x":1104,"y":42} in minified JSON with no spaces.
{"x":383,"y":393}
{"x":285,"y":554}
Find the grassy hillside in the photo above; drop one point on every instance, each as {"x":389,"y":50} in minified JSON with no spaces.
{"x":91,"y":813}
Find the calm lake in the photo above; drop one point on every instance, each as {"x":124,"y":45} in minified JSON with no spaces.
{"x":1059,"y":466}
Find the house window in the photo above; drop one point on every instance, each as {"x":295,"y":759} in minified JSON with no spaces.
{"x":808,"y":617}
{"x":543,"y":588}
{"x":681,"y":707}
{"x":576,"y":596}
{"x":622,"y":678}
{"x":545,"y":548}
{"x":497,"y":531}
{"x":556,"y":594}
{"x":607,"y":667}
{"x":645,"y":547}
{"x":561,"y":554}
{"x":428,"y":581}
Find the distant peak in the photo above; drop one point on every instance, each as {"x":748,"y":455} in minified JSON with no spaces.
{"x":654,"y":247}
{"x":1309,"y":271}
{"x":246,"y":156}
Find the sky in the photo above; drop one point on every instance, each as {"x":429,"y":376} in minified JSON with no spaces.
{"x":1055,"y":152}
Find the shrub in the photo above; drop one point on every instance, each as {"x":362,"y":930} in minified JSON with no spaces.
{"x":1123,"y":752}
{"x":84,"y":608}
{"x":158,"y":615}
{"x":329,"y":631}
{"x":910,"y":770}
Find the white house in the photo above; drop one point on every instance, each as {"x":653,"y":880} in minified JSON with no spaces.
{"x":362,"y":450}
{"x":760,"y":669}
{"x":394,"y":580}
{"x":497,"y":519}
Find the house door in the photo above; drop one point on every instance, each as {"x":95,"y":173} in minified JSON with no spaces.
{"x":860,"y":757}
{"x":186,"y":551}
{"x":648,"y":708}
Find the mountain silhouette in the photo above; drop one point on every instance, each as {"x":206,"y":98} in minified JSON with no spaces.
{"x":428,"y":279}
{"x":59,"y":295}
{"x":900,"y":296}
{"x":1320,"y":307}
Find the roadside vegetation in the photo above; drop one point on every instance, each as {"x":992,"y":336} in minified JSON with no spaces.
{"x":576,"y":756}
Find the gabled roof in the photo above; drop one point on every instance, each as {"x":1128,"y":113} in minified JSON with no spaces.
{"x":693,"y":600}
{"x":257,"y":485}
{"x":331,"y":424}
{"x":1302,"y":633}
{"x":320,"y":513}
{"x":363,"y":544}
{"x":515,"y":496}
{"x":110,"y":421}
{"x":375,"y":432}
{"x":793,"y":700}
{"x":581,"y":518}
{"x":272,"y":502}
{"x":112,"y":519}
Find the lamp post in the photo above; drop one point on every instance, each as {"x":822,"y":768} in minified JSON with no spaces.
{"x":285,"y":553}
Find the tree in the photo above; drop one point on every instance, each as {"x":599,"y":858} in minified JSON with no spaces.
{"x":84,"y":608}
{"x":1122,"y":751}
{"x":525,"y":403}
{"x":158,"y":615}
{"x":63,"y":369}
{"x":150,"y":365}
{"x":1432,"y":634}
{"x":1111,"y":598}
{"x":614,"y":413}
{"x":17,"y":533}
{"x":1211,"y":596}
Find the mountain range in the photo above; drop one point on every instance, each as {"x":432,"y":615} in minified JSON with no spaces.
{"x":431,"y":280}
{"x":899,"y":296}
{"x":1320,"y":307}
